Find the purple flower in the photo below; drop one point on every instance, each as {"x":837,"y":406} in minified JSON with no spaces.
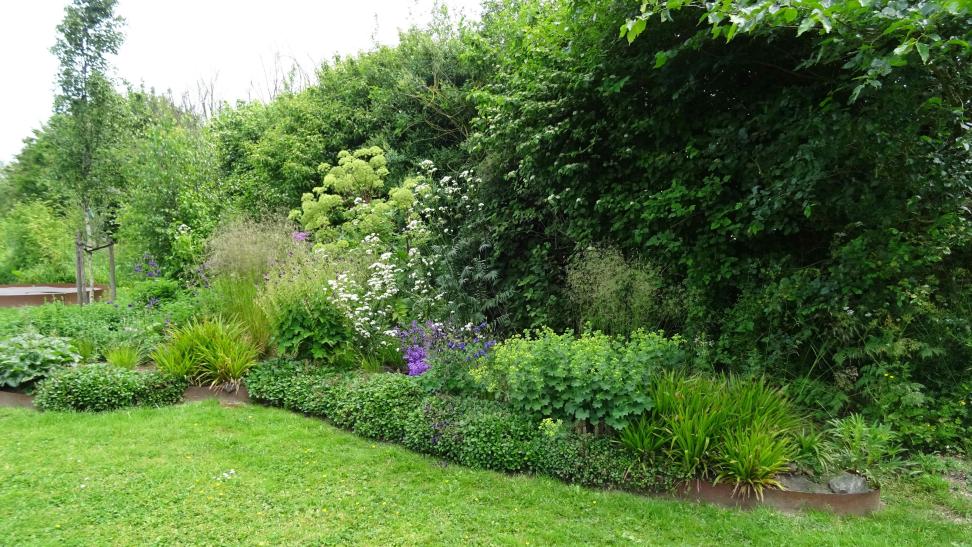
{"x":300,"y":236}
{"x":415,"y":358}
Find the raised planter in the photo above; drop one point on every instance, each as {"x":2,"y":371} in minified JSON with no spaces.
{"x":12,"y":296}
{"x":784,"y":500}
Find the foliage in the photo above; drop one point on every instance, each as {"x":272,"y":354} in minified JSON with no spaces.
{"x":248,"y":250}
{"x":238,"y":300}
{"x":752,"y":459}
{"x":173,"y":198}
{"x":737,"y":165}
{"x":444,"y":355}
{"x":208,"y":351}
{"x":410,"y":100}
{"x":101,"y":326}
{"x":595,"y":379}
{"x":153,"y":292}
{"x":303,"y":320}
{"x":732,"y":428}
{"x":617,"y":296}
{"x":35,"y":245}
{"x":474,"y":432}
{"x":868,"y":449}
{"x":30,"y":357}
{"x":100,"y":387}
{"x":127,"y":357}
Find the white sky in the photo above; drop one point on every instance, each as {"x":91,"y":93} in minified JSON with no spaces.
{"x":173,"y":44}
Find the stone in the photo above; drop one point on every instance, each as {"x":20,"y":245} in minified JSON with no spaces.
{"x":848,"y":483}
{"x":802,"y":483}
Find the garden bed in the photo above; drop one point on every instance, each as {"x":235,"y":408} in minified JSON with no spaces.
{"x":863,"y":503}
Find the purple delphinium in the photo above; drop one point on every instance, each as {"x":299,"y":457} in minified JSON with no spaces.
{"x":424,"y":344}
{"x":299,"y":236}
{"x":148,"y":267}
{"x":415,"y":358}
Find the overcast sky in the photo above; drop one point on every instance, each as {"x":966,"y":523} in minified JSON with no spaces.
{"x":173,"y":44}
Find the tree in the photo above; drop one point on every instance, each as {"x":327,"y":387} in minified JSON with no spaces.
{"x":89,"y":106}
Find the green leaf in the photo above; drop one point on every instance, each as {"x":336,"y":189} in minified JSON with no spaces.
{"x":661,"y":58}
{"x":922,"y":51}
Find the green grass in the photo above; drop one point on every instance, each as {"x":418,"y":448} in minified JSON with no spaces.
{"x":152,"y":476}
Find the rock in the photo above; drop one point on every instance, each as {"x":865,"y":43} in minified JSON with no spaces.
{"x":848,"y":483}
{"x":802,"y":483}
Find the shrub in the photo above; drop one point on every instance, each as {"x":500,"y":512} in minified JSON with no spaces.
{"x":101,"y":387}
{"x":376,"y":405}
{"x":31,"y":357}
{"x":211,"y":351}
{"x":304,"y":322}
{"x":154,"y":291}
{"x":124,"y":356}
{"x":473,"y":432}
{"x":594,"y":379}
{"x":868,"y":449}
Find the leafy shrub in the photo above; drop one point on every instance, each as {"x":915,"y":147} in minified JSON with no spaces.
{"x":473,"y":432}
{"x":210,"y":351}
{"x":376,"y":405}
{"x":102,"y":326}
{"x":100,"y":387}
{"x":868,"y":449}
{"x":152,"y":292}
{"x":31,"y":357}
{"x":595,"y":379}
{"x":124,"y":357}
{"x":304,"y":322}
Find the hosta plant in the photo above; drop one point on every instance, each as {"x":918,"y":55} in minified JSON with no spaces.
{"x":31,"y":356}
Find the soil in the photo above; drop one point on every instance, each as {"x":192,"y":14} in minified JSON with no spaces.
{"x":15,"y":400}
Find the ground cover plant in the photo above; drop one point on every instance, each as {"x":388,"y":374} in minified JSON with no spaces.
{"x":280,"y":478}
{"x":101,"y":387}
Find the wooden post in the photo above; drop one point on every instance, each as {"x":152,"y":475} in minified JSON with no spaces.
{"x":111,"y":269}
{"x":79,"y":268}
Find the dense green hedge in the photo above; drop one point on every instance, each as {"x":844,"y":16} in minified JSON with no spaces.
{"x":101,"y":387}
{"x":472,"y":432}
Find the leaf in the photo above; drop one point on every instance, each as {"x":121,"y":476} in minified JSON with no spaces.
{"x":637,"y":28}
{"x":805,"y":25}
{"x":922,"y":51}
{"x":661,"y":58}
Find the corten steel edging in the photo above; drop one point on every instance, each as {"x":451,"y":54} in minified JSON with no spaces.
{"x":31,"y":298}
{"x":783,"y":500}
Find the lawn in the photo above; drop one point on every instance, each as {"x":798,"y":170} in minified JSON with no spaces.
{"x":203,"y":473}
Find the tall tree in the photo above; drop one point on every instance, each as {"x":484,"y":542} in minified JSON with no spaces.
{"x":89,"y":106}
